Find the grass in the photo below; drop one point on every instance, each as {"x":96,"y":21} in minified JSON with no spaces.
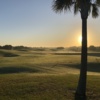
{"x":29,"y":87}
{"x":7,"y":54}
{"x":45,"y":87}
{"x":35,"y":75}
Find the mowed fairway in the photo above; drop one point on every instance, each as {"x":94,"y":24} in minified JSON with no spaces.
{"x":43,"y":75}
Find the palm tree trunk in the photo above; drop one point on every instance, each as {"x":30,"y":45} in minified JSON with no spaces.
{"x":81,"y":89}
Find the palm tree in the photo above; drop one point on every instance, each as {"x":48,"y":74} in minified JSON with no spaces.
{"x":85,"y":7}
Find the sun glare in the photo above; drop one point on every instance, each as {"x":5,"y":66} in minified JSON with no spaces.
{"x":80,"y":39}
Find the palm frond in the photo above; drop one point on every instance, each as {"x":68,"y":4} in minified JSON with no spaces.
{"x":76,"y":8}
{"x":89,"y":8}
{"x":95,"y":11}
{"x":60,"y":5}
{"x":65,"y":5}
{"x":98,"y":2}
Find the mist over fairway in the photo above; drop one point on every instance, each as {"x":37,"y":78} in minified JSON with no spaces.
{"x":46,"y":61}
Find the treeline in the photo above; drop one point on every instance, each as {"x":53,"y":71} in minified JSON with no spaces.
{"x":90,"y":48}
{"x":73,"y":48}
{"x":94,"y":48}
{"x":10,"y":47}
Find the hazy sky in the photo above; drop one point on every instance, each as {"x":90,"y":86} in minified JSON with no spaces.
{"x":34,"y":23}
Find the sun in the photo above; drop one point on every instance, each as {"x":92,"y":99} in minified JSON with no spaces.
{"x":80,"y":39}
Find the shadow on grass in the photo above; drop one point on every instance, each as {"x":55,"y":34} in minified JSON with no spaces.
{"x":7,"y":54}
{"x":11,"y":70}
{"x":89,"y":54}
{"x":94,"y":54}
{"x":92,"y":67}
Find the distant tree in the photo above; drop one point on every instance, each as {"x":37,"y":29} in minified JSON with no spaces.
{"x":39,"y":49}
{"x":0,"y":47}
{"x":8,"y":47}
{"x":60,"y":48}
{"x":92,"y":48}
{"x":84,"y":7}
{"x":74,"y":48}
{"x":21,"y":48}
{"x":98,"y":49}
